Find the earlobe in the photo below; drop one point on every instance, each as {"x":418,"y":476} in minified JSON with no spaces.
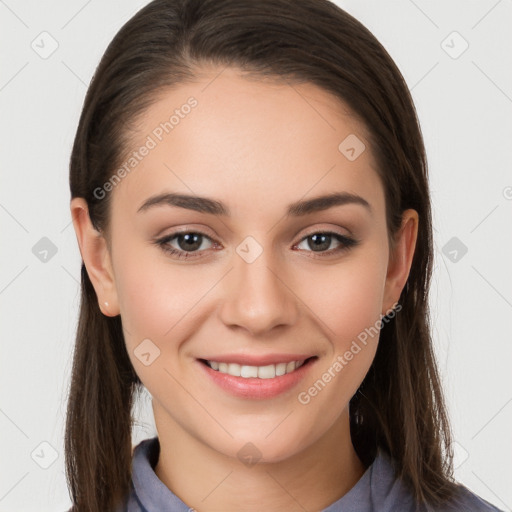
{"x":96,"y":257}
{"x":400,"y":260}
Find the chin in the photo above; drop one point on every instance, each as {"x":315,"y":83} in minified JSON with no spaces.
{"x":250,"y":449}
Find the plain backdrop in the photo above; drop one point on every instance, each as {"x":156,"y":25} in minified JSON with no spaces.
{"x":455,"y":56}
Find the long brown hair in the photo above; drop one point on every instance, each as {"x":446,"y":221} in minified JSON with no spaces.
{"x":399,"y":407}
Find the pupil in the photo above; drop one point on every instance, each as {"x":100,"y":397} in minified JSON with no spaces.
{"x":194,"y":241}
{"x":320,"y":242}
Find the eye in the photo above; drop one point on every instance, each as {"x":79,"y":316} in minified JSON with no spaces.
{"x":322,"y":240}
{"x":188,"y":243}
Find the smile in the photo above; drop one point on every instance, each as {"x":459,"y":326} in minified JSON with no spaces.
{"x":256,"y":381}
{"x":261,"y":372}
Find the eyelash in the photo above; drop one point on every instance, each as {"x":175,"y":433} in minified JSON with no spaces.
{"x":345,"y":241}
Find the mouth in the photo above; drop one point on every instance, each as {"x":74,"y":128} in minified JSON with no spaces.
{"x":268,"y":371}
{"x":257,"y":381}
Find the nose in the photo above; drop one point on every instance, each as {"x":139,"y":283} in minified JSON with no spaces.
{"x":257,"y":296}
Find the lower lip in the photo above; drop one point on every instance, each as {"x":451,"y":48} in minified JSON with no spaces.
{"x":254,"y":388}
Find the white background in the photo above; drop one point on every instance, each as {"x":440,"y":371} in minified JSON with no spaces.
{"x":465,"y":107}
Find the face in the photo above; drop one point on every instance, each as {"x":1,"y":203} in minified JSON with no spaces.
{"x":250,"y":281}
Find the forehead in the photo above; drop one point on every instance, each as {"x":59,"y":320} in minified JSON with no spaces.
{"x":253,"y":143}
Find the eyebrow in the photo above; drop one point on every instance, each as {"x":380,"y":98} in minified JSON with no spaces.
{"x":214,"y":207}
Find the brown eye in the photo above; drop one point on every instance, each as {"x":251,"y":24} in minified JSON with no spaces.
{"x":321,"y":242}
{"x":187,"y":243}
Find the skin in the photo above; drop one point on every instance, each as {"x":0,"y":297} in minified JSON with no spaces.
{"x":257,"y":146}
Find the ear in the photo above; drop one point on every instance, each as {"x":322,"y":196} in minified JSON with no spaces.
{"x":96,"y":257}
{"x":400,"y":259}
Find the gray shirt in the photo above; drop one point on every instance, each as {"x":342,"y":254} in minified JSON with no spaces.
{"x":376,"y":491}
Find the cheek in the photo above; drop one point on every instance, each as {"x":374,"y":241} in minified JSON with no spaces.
{"x":153,"y":295}
{"x":156,"y":303}
{"x":346,"y":298}
{"x":357,"y":303}
{"x":351,"y":310}
{"x":160,"y":301}
{"x":348,"y":303}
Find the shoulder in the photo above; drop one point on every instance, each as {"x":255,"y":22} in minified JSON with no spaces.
{"x":467,"y":500}
{"x":391,"y":493}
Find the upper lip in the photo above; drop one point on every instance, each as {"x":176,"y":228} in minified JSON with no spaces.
{"x":257,"y":360}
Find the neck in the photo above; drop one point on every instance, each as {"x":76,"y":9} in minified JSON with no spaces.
{"x":209,"y":481}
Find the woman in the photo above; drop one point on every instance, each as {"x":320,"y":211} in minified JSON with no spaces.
{"x":250,"y":197}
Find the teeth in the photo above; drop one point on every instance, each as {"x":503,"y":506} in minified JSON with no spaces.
{"x":267,"y":372}
{"x":280,"y":369}
{"x":234,"y":369}
{"x":248,"y":371}
{"x":262,"y":372}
